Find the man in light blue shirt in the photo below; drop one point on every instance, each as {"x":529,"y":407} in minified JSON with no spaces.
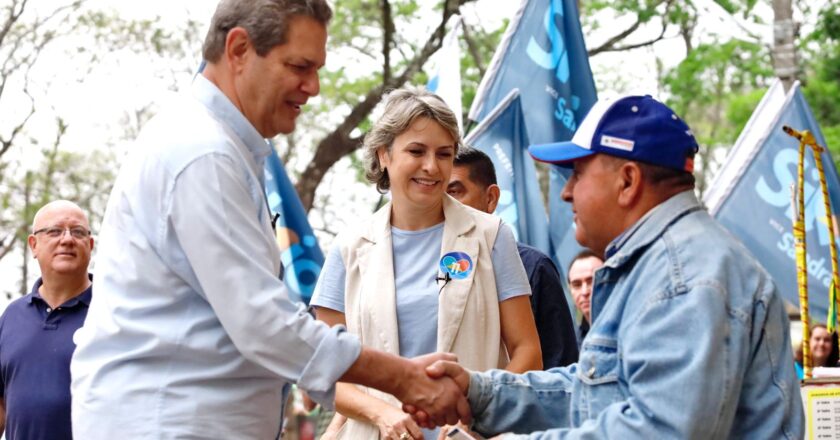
{"x":192,"y":333}
{"x":689,"y":338}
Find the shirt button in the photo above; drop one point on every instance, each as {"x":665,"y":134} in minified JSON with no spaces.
{"x":49,"y":310}
{"x":591,"y":372}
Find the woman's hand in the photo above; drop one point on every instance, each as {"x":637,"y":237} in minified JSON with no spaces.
{"x":394,"y":424}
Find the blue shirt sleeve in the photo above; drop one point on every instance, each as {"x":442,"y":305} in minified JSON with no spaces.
{"x":329,"y":291}
{"x":511,"y":279}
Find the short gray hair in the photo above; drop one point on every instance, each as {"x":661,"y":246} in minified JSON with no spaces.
{"x":266,"y":21}
{"x":402,"y":108}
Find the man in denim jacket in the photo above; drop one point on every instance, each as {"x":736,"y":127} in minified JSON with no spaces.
{"x":689,"y":338}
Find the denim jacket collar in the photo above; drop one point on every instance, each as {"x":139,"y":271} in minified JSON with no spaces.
{"x":650,"y":227}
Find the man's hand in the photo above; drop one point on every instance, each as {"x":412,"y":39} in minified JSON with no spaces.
{"x":446,"y":367}
{"x":441,"y":369}
{"x":437,"y":401}
{"x":434,"y":401}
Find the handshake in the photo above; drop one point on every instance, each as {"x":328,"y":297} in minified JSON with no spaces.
{"x":432,"y":389}
{"x":435,"y":394}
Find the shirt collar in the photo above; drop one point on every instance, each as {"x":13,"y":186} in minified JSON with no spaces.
{"x":223,"y":109}
{"x":83,"y":297}
{"x":650,"y":227}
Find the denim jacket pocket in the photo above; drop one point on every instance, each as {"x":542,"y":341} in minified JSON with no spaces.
{"x":598,"y":361}
{"x":598,"y":378}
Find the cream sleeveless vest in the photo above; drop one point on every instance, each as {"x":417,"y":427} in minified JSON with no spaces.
{"x":468,"y":310}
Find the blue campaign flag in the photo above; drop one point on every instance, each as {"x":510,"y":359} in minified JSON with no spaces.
{"x":502,"y":135}
{"x":299,"y":251}
{"x":752,"y":195}
{"x":543,"y":55}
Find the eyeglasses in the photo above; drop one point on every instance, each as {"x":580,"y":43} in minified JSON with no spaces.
{"x":76,"y":232}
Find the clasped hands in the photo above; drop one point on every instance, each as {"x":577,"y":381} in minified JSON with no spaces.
{"x":436,"y":393}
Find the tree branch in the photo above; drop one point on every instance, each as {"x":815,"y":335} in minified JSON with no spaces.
{"x":473,"y":48}
{"x":615,"y":39}
{"x":338,"y":143}
{"x":638,"y":45}
{"x":387,"y":38}
{"x":6,"y":143}
{"x":7,"y":247}
{"x":610,"y":44}
{"x":14,"y":16}
{"x":52,"y":164}
{"x":12,"y":64}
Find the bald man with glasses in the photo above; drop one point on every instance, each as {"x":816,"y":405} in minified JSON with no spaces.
{"x":36,"y":331}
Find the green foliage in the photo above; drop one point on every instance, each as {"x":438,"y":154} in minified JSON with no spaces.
{"x":644,"y":10}
{"x":356,"y":33}
{"x":356,"y":25}
{"x":111,"y":31}
{"x":822,"y":82}
{"x":358,"y":165}
{"x":735,"y":6}
{"x":717,"y":80}
{"x":739,"y":109}
{"x":832,"y":140}
{"x":712,"y":71}
{"x":715,"y":88}
{"x":486,"y":42}
{"x":669,"y":13}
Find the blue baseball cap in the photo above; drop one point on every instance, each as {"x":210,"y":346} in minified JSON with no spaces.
{"x":637,"y":128}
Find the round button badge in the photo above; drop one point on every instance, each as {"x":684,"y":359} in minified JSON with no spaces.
{"x":457,"y":264}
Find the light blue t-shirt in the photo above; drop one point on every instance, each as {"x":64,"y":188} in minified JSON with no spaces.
{"x":416,"y":259}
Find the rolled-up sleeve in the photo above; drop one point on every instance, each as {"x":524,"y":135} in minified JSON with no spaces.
{"x":213,"y":216}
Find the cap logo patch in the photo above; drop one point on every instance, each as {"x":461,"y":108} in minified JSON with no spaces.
{"x":618,"y":143}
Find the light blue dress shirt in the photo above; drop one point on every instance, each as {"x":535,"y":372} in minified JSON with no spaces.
{"x":192,"y":334}
{"x":689,"y":340}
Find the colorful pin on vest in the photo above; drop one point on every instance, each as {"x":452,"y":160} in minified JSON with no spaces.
{"x":457,"y":264}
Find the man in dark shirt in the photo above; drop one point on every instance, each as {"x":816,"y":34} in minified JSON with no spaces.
{"x":473,"y":183}
{"x":36,"y":331}
{"x":581,"y":273}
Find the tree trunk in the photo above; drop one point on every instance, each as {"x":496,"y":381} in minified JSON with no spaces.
{"x":784,"y":50}
{"x":27,"y":203}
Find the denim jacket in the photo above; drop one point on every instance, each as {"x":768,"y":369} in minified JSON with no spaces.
{"x":690,"y":340}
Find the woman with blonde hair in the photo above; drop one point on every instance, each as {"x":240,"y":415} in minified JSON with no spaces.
{"x":426,"y":273}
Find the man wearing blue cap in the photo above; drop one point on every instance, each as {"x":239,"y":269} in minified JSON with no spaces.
{"x":689,"y":337}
